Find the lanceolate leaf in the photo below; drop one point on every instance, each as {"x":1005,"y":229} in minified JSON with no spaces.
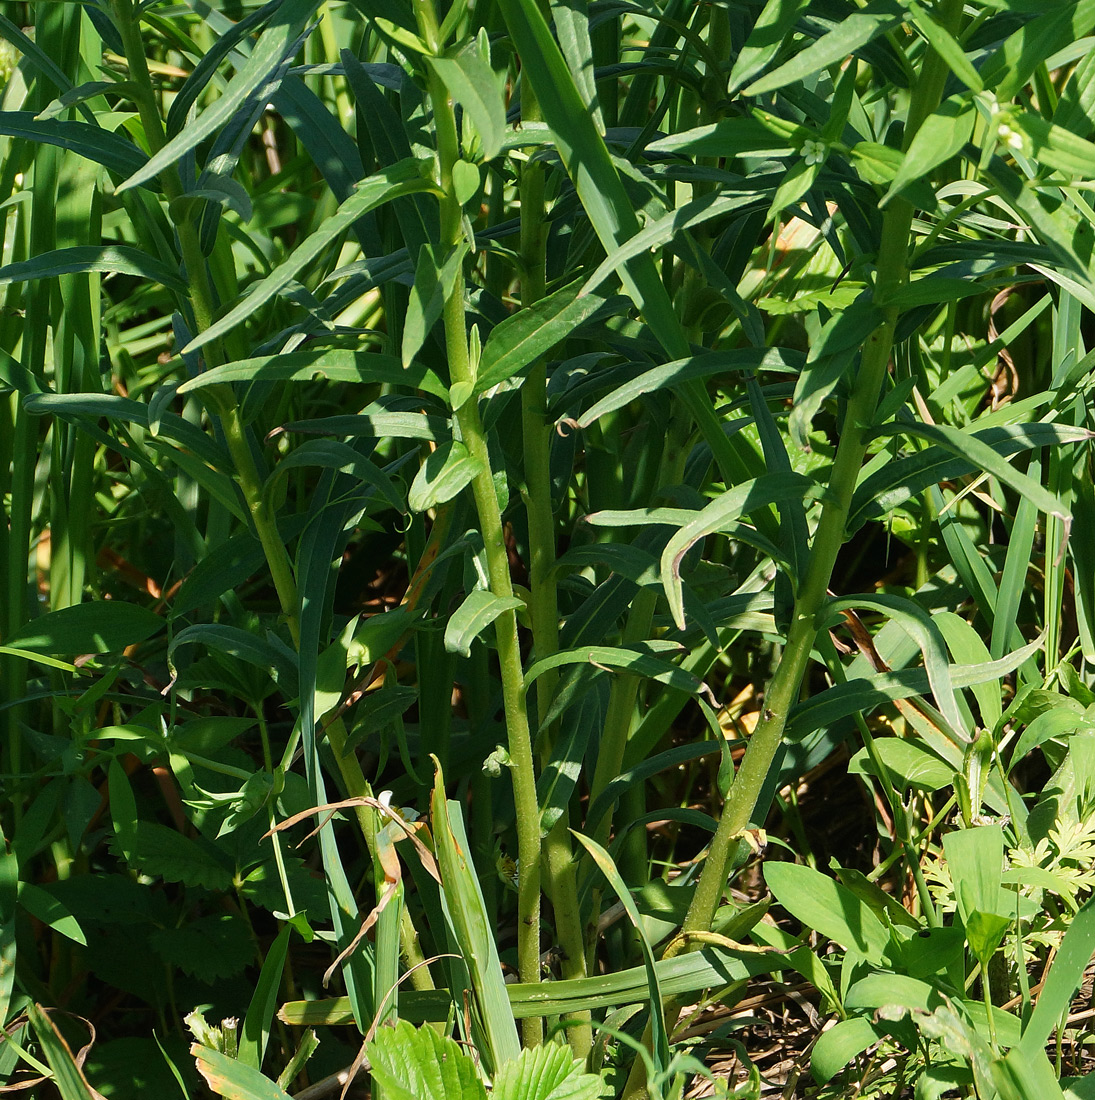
{"x":720,"y":515}
{"x":635,"y":661}
{"x":334,"y":364}
{"x":683,"y":974}
{"x":531,"y":332}
{"x":905,"y":477}
{"x":444,"y":473}
{"x":473,"y":84}
{"x":101,"y":626}
{"x":981,"y":455}
{"x":283,"y":31}
{"x":401,"y":179}
{"x":474,"y":935}
{"x":104,"y":147}
{"x":698,"y":366}
{"x":851,"y":34}
{"x":112,"y":259}
{"x":473,"y":616}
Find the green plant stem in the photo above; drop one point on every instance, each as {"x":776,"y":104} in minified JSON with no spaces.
{"x":490,"y":521}
{"x":223,"y":402}
{"x":783,"y":691}
{"x":784,"y":688}
{"x":559,"y":867}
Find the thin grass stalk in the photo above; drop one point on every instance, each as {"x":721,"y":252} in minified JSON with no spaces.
{"x":490,"y":521}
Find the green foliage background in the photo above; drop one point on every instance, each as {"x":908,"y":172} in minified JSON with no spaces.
{"x":470,"y":469}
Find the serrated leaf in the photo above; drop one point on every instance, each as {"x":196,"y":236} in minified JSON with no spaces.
{"x":412,"y":1063}
{"x":473,"y":616}
{"x":208,"y":948}
{"x":546,"y":1072}
{"x":157,"y":850}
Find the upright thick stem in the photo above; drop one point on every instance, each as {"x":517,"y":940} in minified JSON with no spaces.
{"x":523,"y":772}
{"x":785,"y":686}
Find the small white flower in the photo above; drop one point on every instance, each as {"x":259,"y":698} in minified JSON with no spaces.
{"x":814,"y":152}
{"x":1013,"y":139}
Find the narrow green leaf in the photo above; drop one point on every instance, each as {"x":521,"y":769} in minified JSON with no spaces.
{"x":722,"y":514}
{"x":966,"y":445}
{"x":946,"y":45}
{"x":769,"y":32}
{"x":444,"y":473}
{"x":329,"y":454}
{"x":918,"y":624}
{"x":474,"y":85}
{"x":905,"y":477}
{"x":703,"y":365}
{"x":233,"y":1079}
{"x":1055,"y":146}
{"x":104,"y":147}
{"x":115,"y":259}
{"x":472,"y":928}
{"x":851,"y":34}
{"x":67,"y":1075}
{"x":941,"y":136}
{"x":975,"y":858}
{"x":638,"y":662}
{"x":682,"y":974}
{"x":333,"y":364}
{"x":381,"y":187}
{"x":434,"y":280}
{"x":51,"y":912}
{"x":255,"y":1033}
{"x":659,"y":1038}
{"x":761,"y":135}
{"x":287,"y":24}
{"x":473,"y":616}
{"x":100,"y":626}
{"x":531,"y":332}
{"x":1063,"y":981}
